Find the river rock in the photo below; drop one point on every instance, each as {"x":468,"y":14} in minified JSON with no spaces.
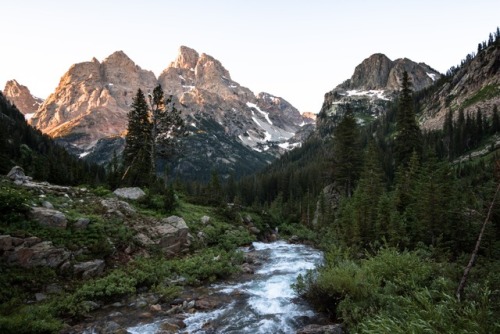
{"x":49,"y":217}
{"x":321,"y":329}
{"x":89,"y":269}
{"x":246,"y":268}
{"x":134,"y":193}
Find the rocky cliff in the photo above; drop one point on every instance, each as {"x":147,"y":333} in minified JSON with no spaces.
{"x":23,"y":99}
{"x":374,"y":82}
{"x":92,"y":100}
{"x":473,"y":85}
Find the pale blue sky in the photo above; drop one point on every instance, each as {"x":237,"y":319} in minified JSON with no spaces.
{"x":298,"y":50}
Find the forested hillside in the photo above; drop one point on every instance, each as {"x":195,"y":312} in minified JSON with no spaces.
{"x":399,"y":211}
{"x":21,"y":144}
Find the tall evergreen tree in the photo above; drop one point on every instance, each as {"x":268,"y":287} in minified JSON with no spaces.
{"x":408,"y":137}
{"x":495,"y":120}
{"x":137,"y":152}
{"x":347,"y":153}
{"x":168,"y":127}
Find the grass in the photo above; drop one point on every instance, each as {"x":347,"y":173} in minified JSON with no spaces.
{"x":485,"y":93}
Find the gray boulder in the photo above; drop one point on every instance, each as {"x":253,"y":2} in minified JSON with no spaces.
{"x":17,"y":174}
{"x":130,"y":193}
{"x":49,"y":217}
{"x":89,"y":269}
{"x":37,"y":255}
{"x":173,"y":235}
{"x":81,"y":223}
{"x":205,"y":220}
{"x":117,"y":207}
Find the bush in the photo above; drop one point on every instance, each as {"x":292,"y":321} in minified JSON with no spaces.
{"x":13,"y":204}
{"x":395,"y":292}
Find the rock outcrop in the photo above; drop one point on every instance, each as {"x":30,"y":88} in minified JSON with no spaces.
{"x":31,"y":252}
{"x":49,"y":217}
{"x":23,"y":99}
{"x":170,"y":234}
{"x":473,"y":85}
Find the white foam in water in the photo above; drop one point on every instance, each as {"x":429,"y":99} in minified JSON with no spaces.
{"x":269,"y":307}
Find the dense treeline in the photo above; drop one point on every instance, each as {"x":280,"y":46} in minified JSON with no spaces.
{"x":40,"y":157}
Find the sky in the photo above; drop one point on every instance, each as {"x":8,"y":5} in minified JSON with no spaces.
{"x":298,"y":50}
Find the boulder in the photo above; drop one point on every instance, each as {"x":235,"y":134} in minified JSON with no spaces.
{"x":47,"y":205}
{"x":81,"y":223}
{"x":118,"y":207}
{"x":17,"y":174}
{"x":130,"y":193}
{"x":49,"y":217}
{"x":39,"y":254}
{"x":205,"y":220}
{"x":173,"y":233}
{"x":89,"y":269}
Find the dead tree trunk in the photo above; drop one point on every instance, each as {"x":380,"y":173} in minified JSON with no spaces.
{"x":476,"y":249}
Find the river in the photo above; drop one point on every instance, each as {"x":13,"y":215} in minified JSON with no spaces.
{"x":264,"y":304}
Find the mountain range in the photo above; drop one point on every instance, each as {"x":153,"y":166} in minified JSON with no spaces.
{"x":232,"y":130}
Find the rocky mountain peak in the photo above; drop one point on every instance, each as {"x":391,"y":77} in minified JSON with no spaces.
{"x":372,"y":73}
{"x":186,"y":59}
{"x":374,"y":82}
{"x":92,"y":99}
{"x":21,"y":96}
{"x":378,"y":72}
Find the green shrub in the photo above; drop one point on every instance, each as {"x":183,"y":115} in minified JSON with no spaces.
{"x":13,"y":204}
{"x":395,"y":292}
{"x":39,"y":319}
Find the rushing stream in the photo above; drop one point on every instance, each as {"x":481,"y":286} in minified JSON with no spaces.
{"x":265,"y":304}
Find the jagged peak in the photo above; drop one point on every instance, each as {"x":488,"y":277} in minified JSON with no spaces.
{"x":117,"y":57}
{"x":187,"y":58}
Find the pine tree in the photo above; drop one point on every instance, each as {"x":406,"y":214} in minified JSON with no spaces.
{"x":495,"y":120}
{"x":347,"y":153}
{"x":137,"y":152}
{"x":168,"y":127}
{"x":366,"y":197}
{"x":448,"y":133}
{"x":408,"y":137}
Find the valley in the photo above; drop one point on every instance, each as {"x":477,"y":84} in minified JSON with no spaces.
{"x":244,"y":215}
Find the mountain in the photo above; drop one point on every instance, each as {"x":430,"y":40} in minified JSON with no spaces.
{"x":473,"y":85}
{"x":232,"y":129}
{"x":92,"y":100}
{"x":23,"y":99}
{"x":373,"y":83}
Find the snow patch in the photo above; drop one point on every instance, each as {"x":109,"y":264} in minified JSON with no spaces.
{"x":193,"y":124}
{"x":84,"y":154}
{"x":110,"y":84}
{"x":27,"y":117}
{"x":181,"y":77}
{"x":266,"y":115}
{"x":370,"y":93}
{"x":432,"y":76}
{"x":188,"y":87}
